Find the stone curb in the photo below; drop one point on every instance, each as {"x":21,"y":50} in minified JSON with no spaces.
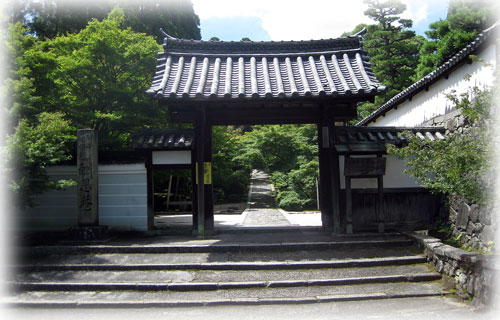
{"x":227,"y":266}
{"x":216,"y":302}
{"x":229,"y":247}
{"x":473,"y":274}
{"x":210,"y":286}
{"x":444,"y":250}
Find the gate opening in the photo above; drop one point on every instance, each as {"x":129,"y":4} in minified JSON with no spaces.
{"x":172,"y":198}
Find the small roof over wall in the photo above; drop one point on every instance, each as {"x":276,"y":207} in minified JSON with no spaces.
{"x":369,"y":140}
{"x":163,"y":139}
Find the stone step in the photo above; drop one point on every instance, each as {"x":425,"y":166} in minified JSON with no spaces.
{"x":263,"y":268}
{"x":215,"y":246}
{"x":209,"y":286}
{"x":227,"y":257}
{"x":248,"y":296}
{"x":114,"y":263}
{"x":222,"y":276}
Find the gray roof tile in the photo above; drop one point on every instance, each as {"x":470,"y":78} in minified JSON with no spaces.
{"x":365,"y":140}
{"x":163,"y":139}
{"x":195,"y":69}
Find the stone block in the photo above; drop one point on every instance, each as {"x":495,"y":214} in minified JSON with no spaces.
{"x":450,"y":124}
{"x":463,"y":216}
{"x":487,"y":234}
{"x":453,"y":214}
{"x":474,"y":213}
{"x":484,"y":216}
{"x":91,"y":233}
{"x":470,"y":228}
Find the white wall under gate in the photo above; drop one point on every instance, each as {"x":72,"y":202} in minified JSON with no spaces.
{"x":122,"y":201}
{"x":394,"y":176}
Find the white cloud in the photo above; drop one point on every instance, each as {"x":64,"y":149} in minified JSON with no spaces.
{"x":290,"y":20}
{"x":303,"y":20}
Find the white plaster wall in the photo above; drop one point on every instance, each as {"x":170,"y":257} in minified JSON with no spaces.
{"x":122,"y":201}
{"x":394,"y":176}
{"x":429,"y":104}
{"x":54,"y":210}
{"x":171,"y":157}
{"x":123,"y":197}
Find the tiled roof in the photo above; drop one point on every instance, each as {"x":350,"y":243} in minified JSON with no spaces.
{"x":163,"y":139}
{"x":200,"y":70}
{"x":360,"y":140}
{"x":435,"y":75}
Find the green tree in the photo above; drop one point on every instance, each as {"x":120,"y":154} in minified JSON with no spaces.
{"x":175,"y":17}
{"x":289,"y":154}
{"x":98,"y":79}
{"x":456,"y":166}
{"x":33,"y":147}
{"x":50,"y":18}
{"x":465,"y":19}
{"x":231,"y":173}
{"x":392,"y":47}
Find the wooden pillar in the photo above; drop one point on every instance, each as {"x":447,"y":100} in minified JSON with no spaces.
{"x":335,"y":178}
{"x":325,"y":201}
{"x":200,"y":131}
{"x":380,"y":201}
{"x":194,"y":190}
{"x":87,"y":176}
{"x":348,"y":203}
{"x":209,"y":190}
{"x":150,"y":187}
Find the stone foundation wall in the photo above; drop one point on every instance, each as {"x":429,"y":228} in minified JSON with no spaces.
{"x":472,"y":275}
{"x":472,"y":225}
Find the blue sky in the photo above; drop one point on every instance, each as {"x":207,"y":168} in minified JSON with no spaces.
{"x":263,"y":20}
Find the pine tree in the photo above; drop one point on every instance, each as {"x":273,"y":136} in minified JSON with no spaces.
{"x":392,"y":47}
{"x":466,"y":18}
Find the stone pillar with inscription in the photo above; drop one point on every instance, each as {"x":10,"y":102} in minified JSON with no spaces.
{"x":87,"y":179}
{"x":87,"y":164}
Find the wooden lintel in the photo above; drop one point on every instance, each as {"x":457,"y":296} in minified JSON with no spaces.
{"x":228,"y":116}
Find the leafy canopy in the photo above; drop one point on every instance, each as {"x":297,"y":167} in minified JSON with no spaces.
{"x":48,"y":19}
{"x":98,"y":77}
{"x":466,"y":18}
{"x":392,"y":47}
{"x":32,"y":148}
{"x":457,"y":165}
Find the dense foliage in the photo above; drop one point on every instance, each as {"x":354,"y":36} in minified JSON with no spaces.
{"x":231,"y":172}
{"x":399,"y":57}
{"x":91,"y":74}
{"x":392,"y":47}
{"x":466,"y":18}
{"x":48,"y":19}
{"x":33,"y":147}
{"x":289,"y":153}
{"x":457,"y":164}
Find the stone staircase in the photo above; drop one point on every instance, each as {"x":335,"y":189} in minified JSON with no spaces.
{"x":234,"y":268}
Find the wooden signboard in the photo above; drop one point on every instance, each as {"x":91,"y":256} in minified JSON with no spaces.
{"x":364,"y":167}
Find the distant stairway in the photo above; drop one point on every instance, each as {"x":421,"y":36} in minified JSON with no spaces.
{"x":260,"y":269}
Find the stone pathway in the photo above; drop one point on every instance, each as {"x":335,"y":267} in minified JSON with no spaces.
{"x":262,"y":209}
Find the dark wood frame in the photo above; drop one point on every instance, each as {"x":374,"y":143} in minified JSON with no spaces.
{"x":377,"y":174}
{"x":324,"y":112}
